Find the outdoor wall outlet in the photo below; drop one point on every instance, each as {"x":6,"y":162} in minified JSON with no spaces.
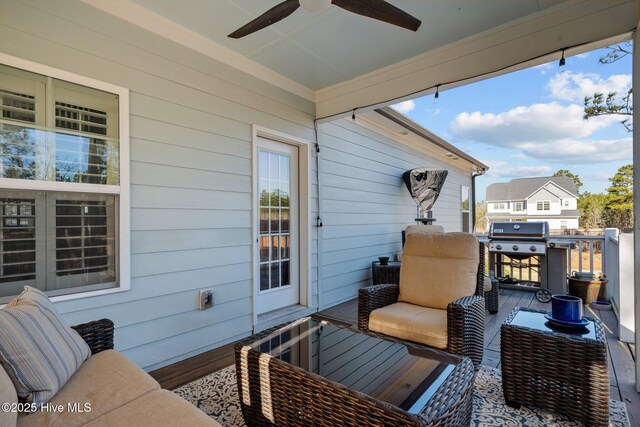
{"x":205,"y":299}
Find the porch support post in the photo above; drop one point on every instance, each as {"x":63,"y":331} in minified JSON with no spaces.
{"x":636,"y":194}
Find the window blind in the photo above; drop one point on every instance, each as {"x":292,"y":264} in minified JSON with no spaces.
{"x":18,"y":240}
{"x":82,"y":237}
{"x":18,"y":106}
{"x":81,"y":119}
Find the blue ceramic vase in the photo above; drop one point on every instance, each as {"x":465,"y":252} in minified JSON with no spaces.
{"x":566,"y":308}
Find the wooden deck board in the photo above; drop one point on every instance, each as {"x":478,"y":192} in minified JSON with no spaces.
{"x":621,"y":363}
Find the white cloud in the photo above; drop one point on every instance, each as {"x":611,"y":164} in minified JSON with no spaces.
{"x":581,"y":152}
{"x":499,"y":169}
{"x":538,"y":122}
{"x":549,"y":132}
{"x":569,"y":86}
{"x":405,"y":106}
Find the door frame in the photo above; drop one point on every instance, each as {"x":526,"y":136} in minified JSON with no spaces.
{"x":304,"y":215}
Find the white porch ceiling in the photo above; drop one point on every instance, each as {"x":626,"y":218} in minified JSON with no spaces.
{"x":342,"y":61}
{"x":319,"y":50}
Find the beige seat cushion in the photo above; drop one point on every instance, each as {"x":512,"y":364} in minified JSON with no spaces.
{"x":423,"y":228}
{"x":158,"y":408}
{"x":7,"y":395}
{"x":412,"y":323}
{"x":438,"y":268}
{"x":106,"y":380}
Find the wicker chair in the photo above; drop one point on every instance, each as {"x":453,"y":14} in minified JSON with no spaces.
{"x":465,"y":315}
{"x":98,"y":334}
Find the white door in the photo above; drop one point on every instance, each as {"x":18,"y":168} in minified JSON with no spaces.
{"x":277,"y":270}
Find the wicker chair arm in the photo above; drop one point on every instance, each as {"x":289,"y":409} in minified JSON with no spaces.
{"x":465,"y":326}
{"x":98,"y":334}
{"x":372,"y":298}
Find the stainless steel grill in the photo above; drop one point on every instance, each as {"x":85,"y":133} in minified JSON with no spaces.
{"x":522,"y":256}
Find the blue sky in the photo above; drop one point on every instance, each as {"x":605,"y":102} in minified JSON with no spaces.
{"x":529,"y":123}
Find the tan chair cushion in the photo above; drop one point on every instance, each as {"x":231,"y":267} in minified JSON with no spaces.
{"x":423,"y":228}
{"x":7,"y":395}
{"x":438,"y":268}
{"x":106,"y":380}
{"x":412,"y":323}
{"x":158,"y":408}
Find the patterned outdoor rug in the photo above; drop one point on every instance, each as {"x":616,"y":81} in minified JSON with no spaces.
{"x":216,"y":395}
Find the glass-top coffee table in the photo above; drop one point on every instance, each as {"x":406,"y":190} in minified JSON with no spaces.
{"x":312,"y":372}
{"x":562,"y":370}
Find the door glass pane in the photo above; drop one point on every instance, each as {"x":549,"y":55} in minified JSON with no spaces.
{"x":275,"y":220}
{"x":264,"y":248}
{"x":284,"y":220}
{"x":275,"y":275}
{"x":264,"y":277}
{"x":275,"y":188}
{"x":264,"y":220}
{"x":284,"y":271}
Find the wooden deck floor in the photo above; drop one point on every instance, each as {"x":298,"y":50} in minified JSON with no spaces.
{"x":621,"y":366}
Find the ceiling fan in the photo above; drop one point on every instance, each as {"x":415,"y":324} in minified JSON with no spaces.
{"x":376,"y":9}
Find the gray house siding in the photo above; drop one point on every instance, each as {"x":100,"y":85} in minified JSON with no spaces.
{"x":543,"y":194}
{"x":191,"y":184}
{"x":365,"y":204}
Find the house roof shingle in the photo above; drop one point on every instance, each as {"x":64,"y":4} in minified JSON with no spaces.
{"x":521,"y":188}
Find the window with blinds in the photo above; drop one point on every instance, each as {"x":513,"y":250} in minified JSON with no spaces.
{"x":18,"y":106}
{"x":84,"y":244}
{"x":81,"y":158}
{"x":59,"y":132}
{"x":18,"y":237}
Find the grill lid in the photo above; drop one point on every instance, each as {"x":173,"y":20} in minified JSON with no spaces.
{"x":538,"y":230}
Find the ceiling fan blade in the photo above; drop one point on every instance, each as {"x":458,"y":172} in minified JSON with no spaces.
{"x":380,"y":10}
{"x":271,"y":16}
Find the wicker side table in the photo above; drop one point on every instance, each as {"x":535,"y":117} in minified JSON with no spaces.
{"x":566,"y":373}
{"x":385,"y":274}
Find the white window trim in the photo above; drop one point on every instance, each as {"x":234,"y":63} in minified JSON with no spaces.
{"x":124,"y":219}
{"x":304,"y":197}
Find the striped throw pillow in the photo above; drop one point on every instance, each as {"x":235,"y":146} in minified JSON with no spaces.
{"x":38,"y":351}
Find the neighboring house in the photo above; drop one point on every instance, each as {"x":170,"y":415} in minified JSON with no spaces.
{"x":148,"y":157}
{"x":549,"y":198}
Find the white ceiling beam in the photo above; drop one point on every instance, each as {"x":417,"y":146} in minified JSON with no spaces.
{"x":515,"y":45}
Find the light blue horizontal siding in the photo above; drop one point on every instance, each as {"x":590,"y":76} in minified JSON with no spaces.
{"x":191,"y":173}
{"x":191,"y":181}
{"x":365,"y":204}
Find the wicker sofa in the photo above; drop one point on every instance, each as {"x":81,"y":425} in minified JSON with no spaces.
{"x":107,"y":390}
{"x":457,"y":327}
